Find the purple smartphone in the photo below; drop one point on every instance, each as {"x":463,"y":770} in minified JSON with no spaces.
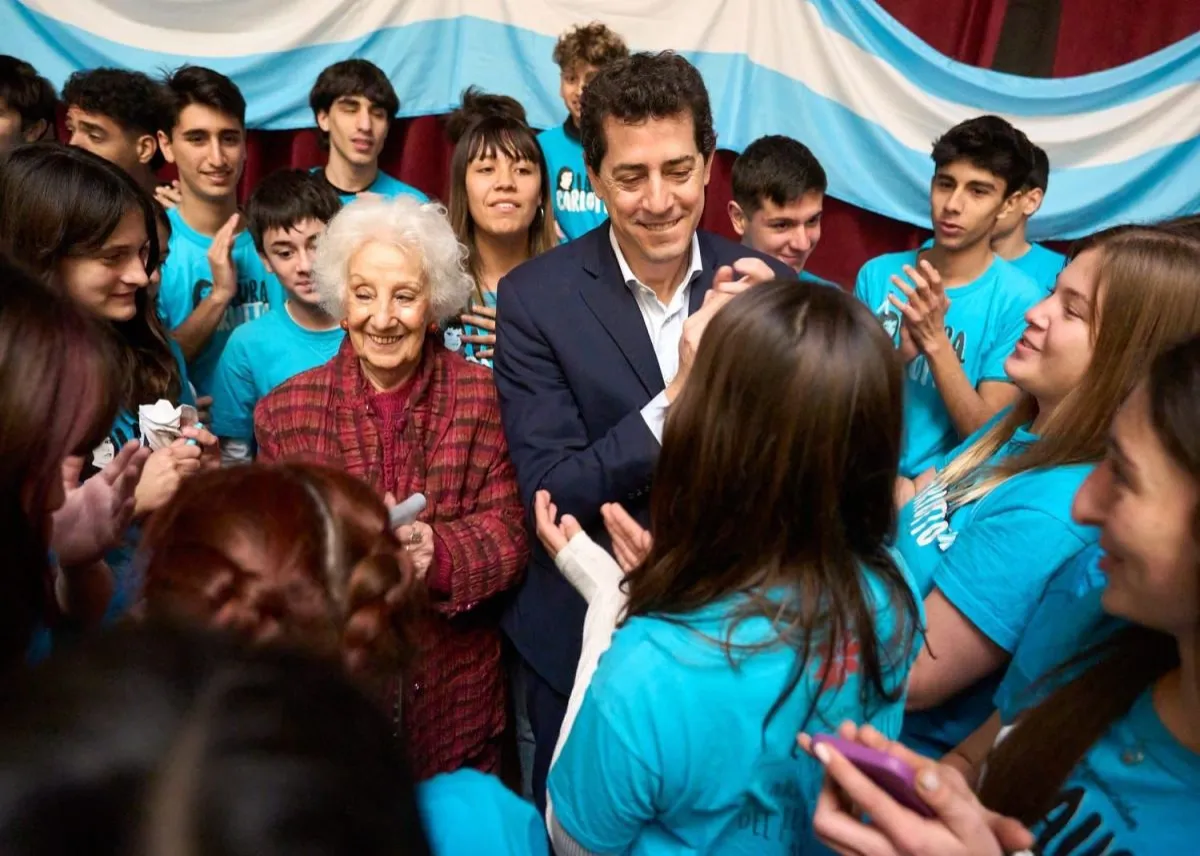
{"x":897,"y":778}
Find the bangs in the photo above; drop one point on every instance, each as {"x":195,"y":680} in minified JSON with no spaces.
{"x":490,"y":137}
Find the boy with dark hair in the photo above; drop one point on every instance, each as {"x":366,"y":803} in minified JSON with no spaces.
{"x":354,"y":105}
{"x":27,"y":104}
{"x":117,"y":115}
{"x":213,"y":280}
{"x":1009,"y":240}
{"x":778,"y":195}
{"x":961,"y":310}
{"x":580,"y":53}
{"x":285,"y":216}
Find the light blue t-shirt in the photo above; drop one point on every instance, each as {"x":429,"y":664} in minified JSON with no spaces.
{"x":985,"y":319}
{"x":672,"y":751}
{"x":258,"y":357}
{"x":383,"y":185}
{"x":452,"y":335}
{"x":991,"y":559}
{"x":577,"y":208}
{"x":468,"y":813}
{"x":187,"y":279}
{"x":1137,"y":791}
{"x":1069,"y":620}
{"x":1041,"y":265}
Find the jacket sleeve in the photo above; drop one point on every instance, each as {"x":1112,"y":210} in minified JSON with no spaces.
{"x":484,"y":552}
{"x":548,"y":439}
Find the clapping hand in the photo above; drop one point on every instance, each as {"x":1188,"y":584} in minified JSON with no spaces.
{"x":631,"y":543}
{"x":96,"y":513}
{"x":924,"y":309}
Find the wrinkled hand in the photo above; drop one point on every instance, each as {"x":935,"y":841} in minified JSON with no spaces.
{"x":220,"y":261}
{"x":923,"y":311}
{"x":962,"y":827}
{"x":417,"y":540}
{"x":96,"y":513}
{"x":552,"y":532}
{"x":483,"y":317}
{"x":168,"y":195}
{"x":631,"y":543}
{"x":164,"y":471}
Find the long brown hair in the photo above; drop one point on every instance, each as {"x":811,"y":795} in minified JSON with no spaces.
{"x":57,"y":374}
{"x":1147,"y":296}
{"x":60,"y":201}
{"x":777,"y":469}
{"x":487,"y":136}
{"x":292,"y":553}
{"x":1027,"y":770}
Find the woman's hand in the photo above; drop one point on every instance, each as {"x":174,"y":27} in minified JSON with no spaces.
{"x":553,"y":533}
{"x":206,"y":441}
{"x":417,"y":538}
{"x":962,"y":825}
{"x":483,"y":317}
{"x":631,"y":543}
{"x":94,"y":517}
{"x":165,"y":470}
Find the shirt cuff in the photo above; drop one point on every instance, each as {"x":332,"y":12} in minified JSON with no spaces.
{"x":437,"y":578}
{"x":655,"y":415}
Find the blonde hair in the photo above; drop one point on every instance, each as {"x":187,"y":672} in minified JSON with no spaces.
{"x":402,"y":222}
{"x":1147,"y":299}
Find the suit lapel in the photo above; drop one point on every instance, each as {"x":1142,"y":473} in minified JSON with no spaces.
{"x":708,"y":266}
{"x":614,"y":305}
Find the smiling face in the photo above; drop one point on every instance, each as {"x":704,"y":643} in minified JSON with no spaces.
{"x":1052,"y":357}
{"x":570,"y":86}
{"x":357,"y":129}
{"x":209,"y":147}
{"x":788,"y":232}
{"x":387,"y":312}
{"x":965,"y":202}
{"x":652,"y":179}
{"x":289,"y":254}
{"x":106,"y":281}
{"x":1145,"y":504}
{"x":503,"y":194}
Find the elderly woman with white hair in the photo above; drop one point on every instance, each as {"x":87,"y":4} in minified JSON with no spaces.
{"x":398,"y":410}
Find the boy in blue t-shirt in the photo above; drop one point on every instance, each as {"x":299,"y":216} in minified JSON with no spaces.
{"x":1008,"y":238}
{"x":956,"y":310}
{"x":286,"y":215}
{"x":580,"y":53}
{"x":213,"y":279}
{"x":778,"y":195}
{"x":354,"y":105}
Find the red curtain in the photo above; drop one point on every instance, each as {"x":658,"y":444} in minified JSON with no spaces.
{"x":1093,"y":35}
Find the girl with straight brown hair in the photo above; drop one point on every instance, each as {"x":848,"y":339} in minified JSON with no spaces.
{"x":993,"y":524}
{"x":769,"y":601}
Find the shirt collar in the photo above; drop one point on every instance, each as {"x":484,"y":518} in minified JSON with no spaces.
{"x":694,"y":269}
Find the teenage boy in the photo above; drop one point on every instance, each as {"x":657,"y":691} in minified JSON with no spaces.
{"x":580,"y":53}
{"x":354,"y":105}
{"x":285,"y":216}
{"x":778,"y":195}
{"x":1009,"y":241}
{"x":956,"y":309}
{"x":213,"y":279}
{"x":117,"y":115}
{"x":27,"y":104}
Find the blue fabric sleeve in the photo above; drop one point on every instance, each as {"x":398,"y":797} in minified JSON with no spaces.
{"x":997,"y":569}
{"x":602,"y":786}
{"x":233,"y":392}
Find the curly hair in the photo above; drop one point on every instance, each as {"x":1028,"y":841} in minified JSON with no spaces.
{"x":131,"y":99}
{"x":292,"y":553}
{"x":402,"y":222}
{"x":592,"y":44}
{"x":640,"y":87}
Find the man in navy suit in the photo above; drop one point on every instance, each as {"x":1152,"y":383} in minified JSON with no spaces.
{"x":595,"y":339}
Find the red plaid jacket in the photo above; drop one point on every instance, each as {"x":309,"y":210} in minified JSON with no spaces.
{"x":452,"y":449}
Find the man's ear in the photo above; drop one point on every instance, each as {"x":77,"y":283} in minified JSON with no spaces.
{"x":146,"y":145}
{"x":738,"y":218}
{"x":164,"y":145}
{"x":1031,"y":201}
{"x":323,"y":120}
{"x":598,"y":186}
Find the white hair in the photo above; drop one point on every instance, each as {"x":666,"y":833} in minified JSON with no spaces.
{"x":403,"y":222}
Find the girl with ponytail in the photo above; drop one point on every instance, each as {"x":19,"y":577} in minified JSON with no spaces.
{"x":1109,"y":761}
{"x":302,"y":556}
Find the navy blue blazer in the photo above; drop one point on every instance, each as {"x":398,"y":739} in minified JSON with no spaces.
{"x":574,"y":366}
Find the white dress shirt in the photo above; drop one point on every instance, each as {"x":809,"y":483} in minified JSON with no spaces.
{"x":664,"y":325}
